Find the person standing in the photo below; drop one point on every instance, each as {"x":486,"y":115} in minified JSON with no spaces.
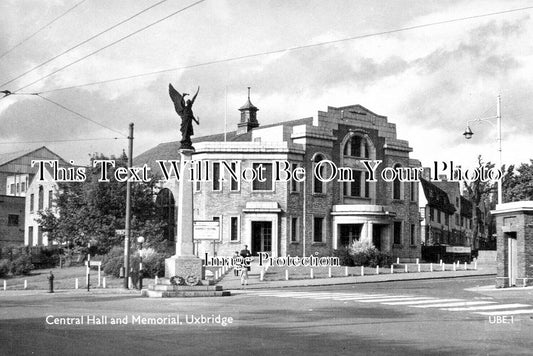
{"x":244,"y":270}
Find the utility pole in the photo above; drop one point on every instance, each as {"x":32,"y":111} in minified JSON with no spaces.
{"x":499,"y":128}
{"x":128,"y":211}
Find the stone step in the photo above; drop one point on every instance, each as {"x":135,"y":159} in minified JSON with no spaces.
{"x":169,"y":287}
{"x":166,"y":281}
{"x":187,"y":294}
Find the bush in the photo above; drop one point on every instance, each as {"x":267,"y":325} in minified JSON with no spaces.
{"x":365,"y":254}
{"x":5,"y":266}
{"x":153,"y":263}
{"x":113,"y":261}
{"x":343,"y":253}
{"x":21,"y":265}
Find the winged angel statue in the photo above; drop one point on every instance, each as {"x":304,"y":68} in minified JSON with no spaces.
{"x":184,"y":110}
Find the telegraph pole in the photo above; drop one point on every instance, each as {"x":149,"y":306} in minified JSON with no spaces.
{"x":128,"y":211}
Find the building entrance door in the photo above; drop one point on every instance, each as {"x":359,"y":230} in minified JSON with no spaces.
{"x":512,"y":267}
{"x":261,"y":237}
{"x":376,"y":236}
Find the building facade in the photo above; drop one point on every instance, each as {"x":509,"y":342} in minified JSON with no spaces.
{"x":300,"y":217}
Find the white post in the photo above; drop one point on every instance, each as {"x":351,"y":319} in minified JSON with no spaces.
{"x":25,"y":284}
{"x":216,"y":275}
{"x":391,"y":269}
{"x":5,"y":284}
{"x":475,"y":265}
{"x":443,"y":267}
{"x":262,"y":275}
{"x":418,"y":265}
{"x":346,"y":271}
{"x":76,"y":284}
{"x":431,"y":267}
{"x":362,"y":270}
{"x":156,"y":280}
{"x":406,"y":269}
{"x":99,"y":275}
{"x":454,"y":267}
{"x":377,"y":269}
{"x":398,"y":260}
{"x":130,"y":283}
{"x":312,"y":274}
{"x":465,"y":266}
{"x":417,"y":261}
{"x":441,"y":262}
{"x":104,"y":284}
{"x":286,"y":274}
{"x":329,"y":272}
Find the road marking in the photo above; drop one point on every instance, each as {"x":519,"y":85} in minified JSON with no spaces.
{"x":374,"y":296}
{"x":489,"y":307}
{"x":458,"y":304}
{"x":426,"y":301}
{"x":391,"y":299}
{"x":507,"y":312}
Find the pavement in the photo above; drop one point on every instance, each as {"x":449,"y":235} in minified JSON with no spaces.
{"x":232,"y":282}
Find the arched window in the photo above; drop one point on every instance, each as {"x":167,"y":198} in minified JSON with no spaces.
{"x":357,"y":146}
{"x":167,"y":212}
{"x":41,"y":197}
{"x":397,"y":191}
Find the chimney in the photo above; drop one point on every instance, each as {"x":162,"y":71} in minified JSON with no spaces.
{"x":248,"y":117}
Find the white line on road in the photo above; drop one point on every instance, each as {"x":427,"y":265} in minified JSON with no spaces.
{"x":427,"y":301}
{"x":391,"y":299}
{"x":507,"y":312}
{"x":489,"y":307}
{"x":458,"y":304}
{"x":374,"y":296}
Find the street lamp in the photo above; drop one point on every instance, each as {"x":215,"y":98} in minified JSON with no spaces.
{"x":468,"y":135}
{"x":140,"y":240}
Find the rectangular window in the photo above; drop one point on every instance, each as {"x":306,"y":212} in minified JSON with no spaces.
{"x":397,"y":232}
{"x":234,"y":228}
{"x":431,"y":216}
{"x":41,"y":198}
{"x":438,"y":215}
{"x":18,"y":187}
{"x":23,"y":187}
{"x":12,"y":220}
{"x":446,"y":219}
{"x":413,"y":191}
{"x":234,"y":183}
{"x":39,"y":235}
{"x":295,"y":186}
{"x":413,"y":234}
{"x":216,"y":176}
{"x":367,"y":185}
{"x":31,"y":202}
{"x":266,"y":175}
{"x":30,"y":236}
{"x":318,"y":229}
{"x":12,"y":189}
{"x":50,"y":198}
{"x":197,"y":186}
{"x":356,"y":184}
{"x":294,"y":229}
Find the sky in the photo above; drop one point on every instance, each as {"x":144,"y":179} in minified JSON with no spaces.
{"x":429,"y":81}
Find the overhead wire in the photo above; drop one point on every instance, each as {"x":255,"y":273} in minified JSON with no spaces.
{"x":112,"y":43}
{"x":84,"y":42}
{"x":288,"y":49}
{"x":60,"y":141}
{"x":40,"y":29}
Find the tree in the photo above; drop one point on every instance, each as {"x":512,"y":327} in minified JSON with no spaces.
{"x":519,"y":183}
{"x":93,"y":210}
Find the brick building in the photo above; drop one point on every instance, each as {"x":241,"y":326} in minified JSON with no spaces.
{"x":306,"y":217}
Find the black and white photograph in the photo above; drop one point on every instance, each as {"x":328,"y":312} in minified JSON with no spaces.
{"x":268,"y":177}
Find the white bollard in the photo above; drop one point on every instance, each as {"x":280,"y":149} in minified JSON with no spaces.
{"x":391,"y":269}
{"x":362,"y":270}
{"x":286,"y":274}
{"x":377,"y":269}
{"x":398,"y":260}
{"x":417,"y":261}
{"x":465,"y":266}
{"x":5,"y":284}
{"x":441,"y":262}
{"x":216,"y":275}
{"x":76,"y":284}
{"x":25,"y":284}
{"x":443,"y":267}
{"x":329,"y":272}
{"x":406,"y":269}
{"x":104,"y":284}
{"x":312,"y":273}
{"x":130,"y":283}
{"x":262,"y":275}
{"x":475,"y":265}
{"x":346,"y":271}
{"x":431,"y":267}
{"x":454,"y":267}
{"x":156,"y":279}
{"x":99,"y":276}
{"x":418,"y":268}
